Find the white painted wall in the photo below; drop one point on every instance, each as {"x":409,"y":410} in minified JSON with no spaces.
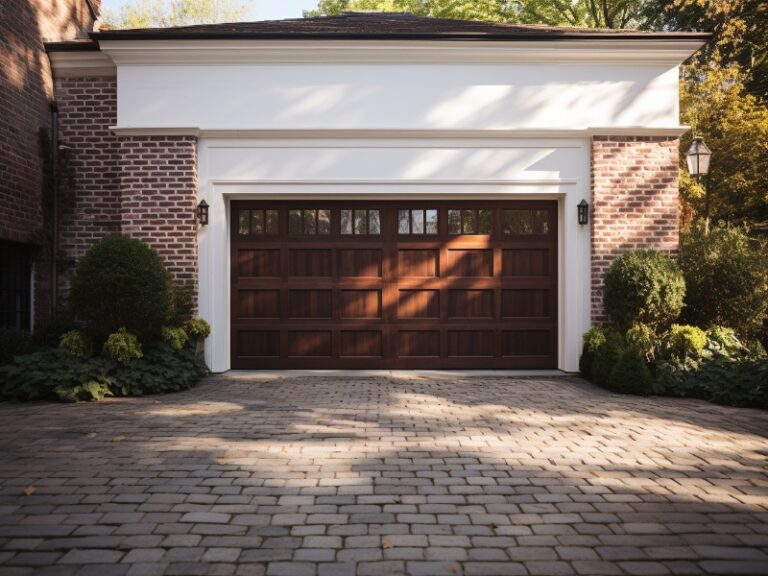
{"x":388,"y":169}
{"x":478,"y":96}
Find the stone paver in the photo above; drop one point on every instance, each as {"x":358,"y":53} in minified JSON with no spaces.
{"x":415,"y":474}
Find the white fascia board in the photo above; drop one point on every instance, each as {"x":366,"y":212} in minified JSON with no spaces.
{"x":81,"y":63}
{"x":670,"y":131}
{"x":197,"y":52}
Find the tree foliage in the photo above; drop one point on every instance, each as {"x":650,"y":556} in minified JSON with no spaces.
{"x":167,"y":13}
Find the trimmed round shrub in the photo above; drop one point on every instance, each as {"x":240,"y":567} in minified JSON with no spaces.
{"x":174,"y":337}
{"x":76,"y":343}
{"x":726,"y":273}
{"x":641,"y":337}
{"x":13,"y":343}
{"x":686,"y":341}
{"x":198,"y":329}
{"x":631,"y":375}
{"x":122,"y":347}
{"x":121,"y":282}
{"x":645,"y":287}
{"x":607,"y":356}
{"x":593,"y":339}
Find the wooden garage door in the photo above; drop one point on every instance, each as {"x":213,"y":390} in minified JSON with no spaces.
{"x":332,"y":284}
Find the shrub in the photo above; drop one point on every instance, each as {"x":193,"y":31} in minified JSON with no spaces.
{"x":121,"y":282}
{"x":182,"y":304}
{"x":723,"y":342}
{"x":122,"y":347}
{"x":726,"y":274}
{"x":198,"y":329}
{"x":174,"y":337}
{"x":644,"y":287}
{"x":719,"y":380}
{"x":49,"y":334}
{"x":593,"y":339}
{"x":643,"y":339}
{"x":56,"y":374}
{"x":13,"y":343}
{"x":631,"y":375}
{"x":686,"y":341}
{"x":607,"y":356}
{"x":76,"y":343}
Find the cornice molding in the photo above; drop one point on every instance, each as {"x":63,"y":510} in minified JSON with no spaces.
{"x":670,"y":131}
{"x":81,"y":63}
{"x":666,"y":52}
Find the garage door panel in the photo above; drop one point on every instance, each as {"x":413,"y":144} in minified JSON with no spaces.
{"x":469,"y":262}
{"x":397,"y":289}
{"x":360,"y":262}
{"x":309,"y":303}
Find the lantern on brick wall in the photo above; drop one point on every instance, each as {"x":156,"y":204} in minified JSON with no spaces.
{"x":698,"y":156}
{"x":583,"y":209}
{"x":202,"y":212}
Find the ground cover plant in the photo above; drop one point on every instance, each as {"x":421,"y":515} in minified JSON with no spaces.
{"x":132,"y":332}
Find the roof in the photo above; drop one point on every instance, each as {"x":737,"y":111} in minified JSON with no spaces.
{"x":382,"y":26}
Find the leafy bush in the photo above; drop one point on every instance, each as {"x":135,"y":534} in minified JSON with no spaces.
{"x":723,"y":342}
{"x":198,"y":329}
{"x":56,"y":374}
{"x":593,"y":339}
{"x":122,"y":347}
{"x":13,"y":343}
{"x":631,"y":375}
{"x":686,"y":341}
{"x":49,"y":334}
{"x":121,"y":282}
{"x":726,"y":273}
{"x":174,"y":337}
{"x":720,"y":380}
{"x":646,"y":287}
{"x":642,"y":338}
{"x":182,"y":304}
{"x":76,"y":343}
{"x":607,"y":356}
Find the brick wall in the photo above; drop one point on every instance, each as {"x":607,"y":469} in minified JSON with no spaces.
{"x":26,"y":88}
{"x":634,"y":202}
{"x":158,"y":184}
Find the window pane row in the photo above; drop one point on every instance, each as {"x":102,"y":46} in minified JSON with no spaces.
{"x":420,"y":221}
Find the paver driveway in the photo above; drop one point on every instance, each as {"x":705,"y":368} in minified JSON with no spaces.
{"x":384,"y":475}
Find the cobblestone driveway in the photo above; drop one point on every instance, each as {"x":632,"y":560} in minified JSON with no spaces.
{"x":384,"y":475}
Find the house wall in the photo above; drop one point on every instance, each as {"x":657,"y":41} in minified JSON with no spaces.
{"x":374,"y":97}
{"x":26,"y":88}
{"x":635,"y":202}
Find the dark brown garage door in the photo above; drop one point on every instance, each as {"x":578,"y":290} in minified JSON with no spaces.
{"x":332,"y":284}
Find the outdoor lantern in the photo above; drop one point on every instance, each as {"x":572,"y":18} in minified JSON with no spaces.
{"x":583,"y":208}
{"x":202,"y":212}
{"x":698,"y":156}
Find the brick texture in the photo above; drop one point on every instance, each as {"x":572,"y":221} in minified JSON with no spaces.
{"x":158,"y":184}
{"x":26,"y":88}
{"x":634,"y":201}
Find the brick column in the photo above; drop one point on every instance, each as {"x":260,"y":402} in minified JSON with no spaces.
{"x":634,"y":201}
{"x":158,"y":186}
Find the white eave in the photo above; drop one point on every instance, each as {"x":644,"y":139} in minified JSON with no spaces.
{"x":656,"y":51}
{"x":81,"y":63}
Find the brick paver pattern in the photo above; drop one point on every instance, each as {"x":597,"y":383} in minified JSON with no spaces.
{"x":412,"y":474}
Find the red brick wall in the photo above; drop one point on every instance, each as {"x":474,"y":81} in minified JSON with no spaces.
{"x":158,"y":184}
{"x":634,"y":202}
{"x":26,"y":89}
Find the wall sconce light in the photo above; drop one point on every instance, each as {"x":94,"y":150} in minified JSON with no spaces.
{"x":202,"y":212}
{"x":583,"y":208}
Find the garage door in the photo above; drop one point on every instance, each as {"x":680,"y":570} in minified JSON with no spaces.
{"x":332,"y":284}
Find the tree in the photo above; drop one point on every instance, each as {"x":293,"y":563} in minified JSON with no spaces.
{"x":167,"y":13}
{"x":717,"y":104}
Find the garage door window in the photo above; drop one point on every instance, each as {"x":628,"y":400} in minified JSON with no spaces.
{"x":258,"y":222}
{"x":417,"y":221}
{"x":469,"y":222}
{"x":362,"y":222}
{"x":526,"y":222}
{"x":309,"y":221}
